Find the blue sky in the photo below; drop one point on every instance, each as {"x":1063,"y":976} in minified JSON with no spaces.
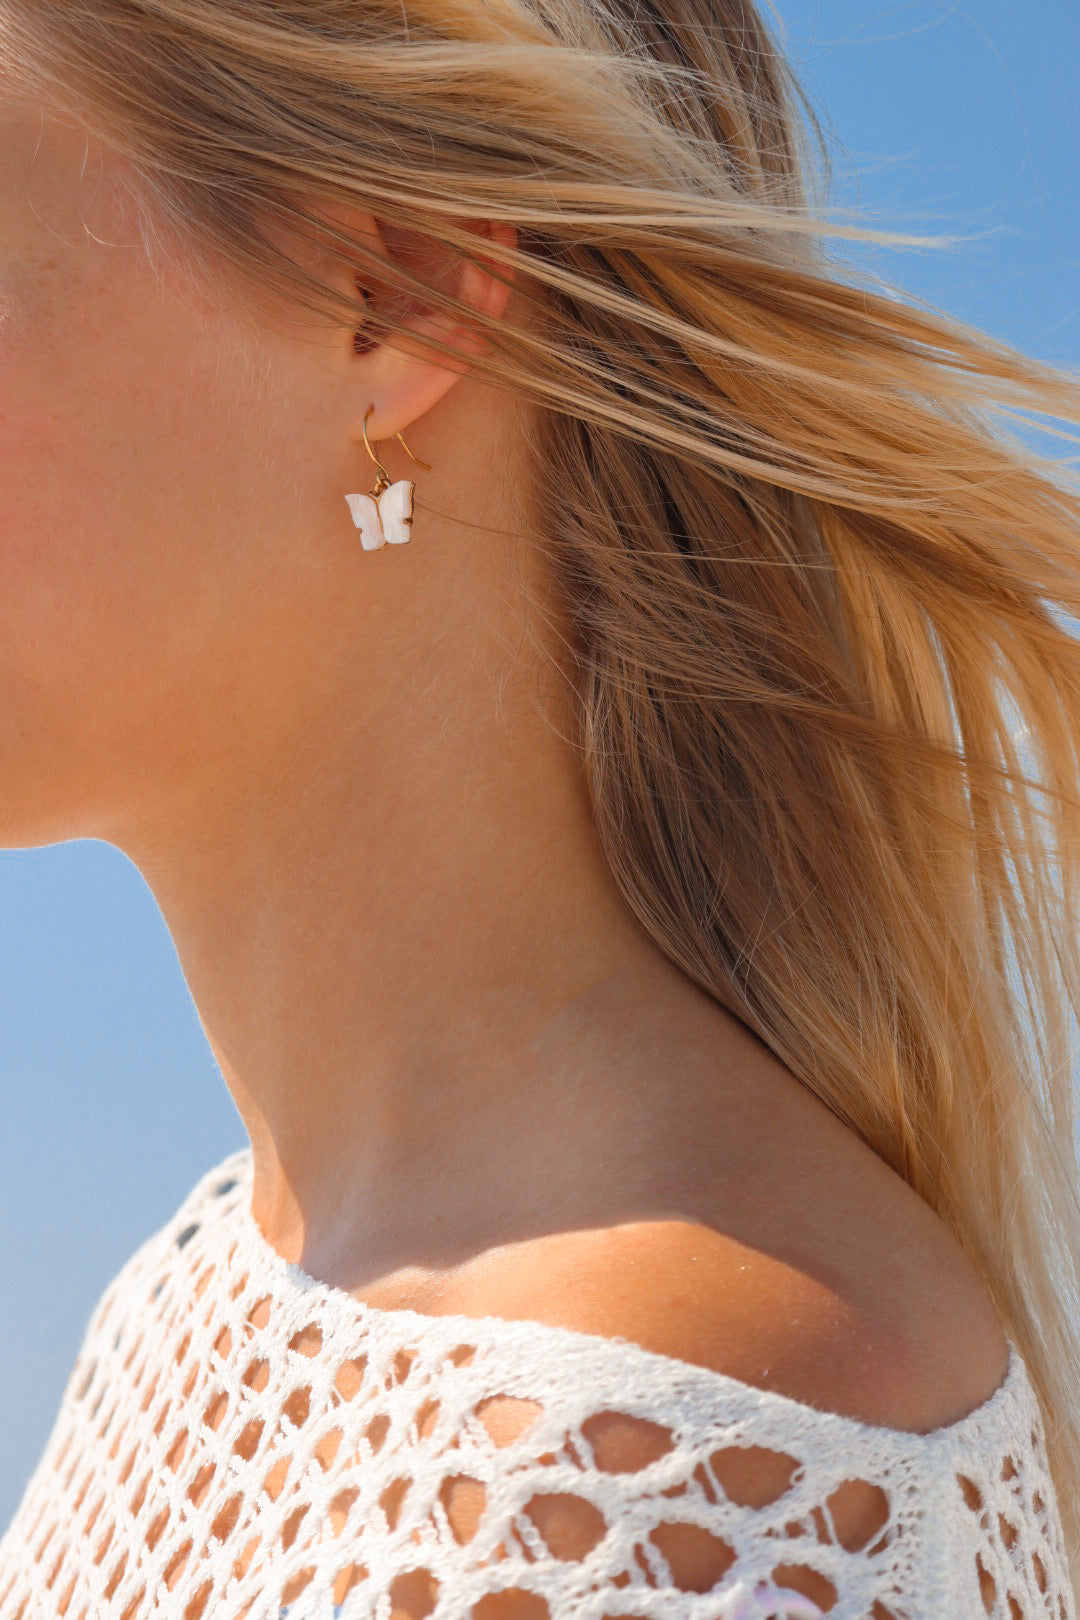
{"x":959,"y":119}
{"x":949,"y":119}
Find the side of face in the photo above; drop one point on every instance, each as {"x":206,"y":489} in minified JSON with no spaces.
{"x":163,"y":471}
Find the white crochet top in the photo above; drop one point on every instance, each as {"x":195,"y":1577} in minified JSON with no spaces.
{"x":239,"y":1440}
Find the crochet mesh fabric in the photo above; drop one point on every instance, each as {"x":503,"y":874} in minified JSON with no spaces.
{"x":240,"y":1442}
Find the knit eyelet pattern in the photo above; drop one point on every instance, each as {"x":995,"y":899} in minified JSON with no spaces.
{"x":242,"y":1442}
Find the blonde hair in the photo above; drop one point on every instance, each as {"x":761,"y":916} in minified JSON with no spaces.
{"x":829,"y":698}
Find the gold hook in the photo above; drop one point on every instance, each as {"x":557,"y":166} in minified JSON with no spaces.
{"x":384,"y":477}
{"x":419,"y":463}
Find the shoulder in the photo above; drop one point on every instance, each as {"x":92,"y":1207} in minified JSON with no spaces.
{"x":849,"y":1296}
{"x":819,"y":1274}
{"x":926,"y":1357}
{"x":916,"y":1354}
{"x":811,"y":1270}
{"x":813,"y":1331}
{"x":916,"y":1349}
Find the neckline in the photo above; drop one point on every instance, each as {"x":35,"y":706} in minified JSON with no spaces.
{"x":233,"y":1179}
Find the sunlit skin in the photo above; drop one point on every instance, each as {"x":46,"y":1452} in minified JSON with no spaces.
{"x":466,"y":1070}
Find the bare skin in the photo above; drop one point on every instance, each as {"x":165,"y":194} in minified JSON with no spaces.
{"x":471,"y":1081}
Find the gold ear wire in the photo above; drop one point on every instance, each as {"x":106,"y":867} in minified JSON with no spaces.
{"x":383,"y":474}
{"x":419,"y":463}
{"x":383,"y":480}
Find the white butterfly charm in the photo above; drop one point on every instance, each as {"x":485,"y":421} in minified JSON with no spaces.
{"x":383,"y":519}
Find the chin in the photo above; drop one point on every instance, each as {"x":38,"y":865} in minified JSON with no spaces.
{"x":21,"y":827}
{"x":44,"y":798}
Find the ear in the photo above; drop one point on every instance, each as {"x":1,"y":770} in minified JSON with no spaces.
{"x":398,"y":376}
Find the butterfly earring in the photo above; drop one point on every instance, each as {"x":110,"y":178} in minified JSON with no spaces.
{"x":385,"y":516}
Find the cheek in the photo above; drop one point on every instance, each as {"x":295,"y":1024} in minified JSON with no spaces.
{"x":99,"y":417}
{"x":123,"y":496}
{"x":120,"y":524}
{"x":62,"y":512}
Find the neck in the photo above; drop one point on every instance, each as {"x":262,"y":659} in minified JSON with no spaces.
{"x":439,"y":1021}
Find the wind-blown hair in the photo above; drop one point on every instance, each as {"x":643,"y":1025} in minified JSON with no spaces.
{"x":818,"y":589}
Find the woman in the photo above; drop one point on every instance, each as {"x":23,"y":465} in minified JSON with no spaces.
{"x":636,"y":917}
